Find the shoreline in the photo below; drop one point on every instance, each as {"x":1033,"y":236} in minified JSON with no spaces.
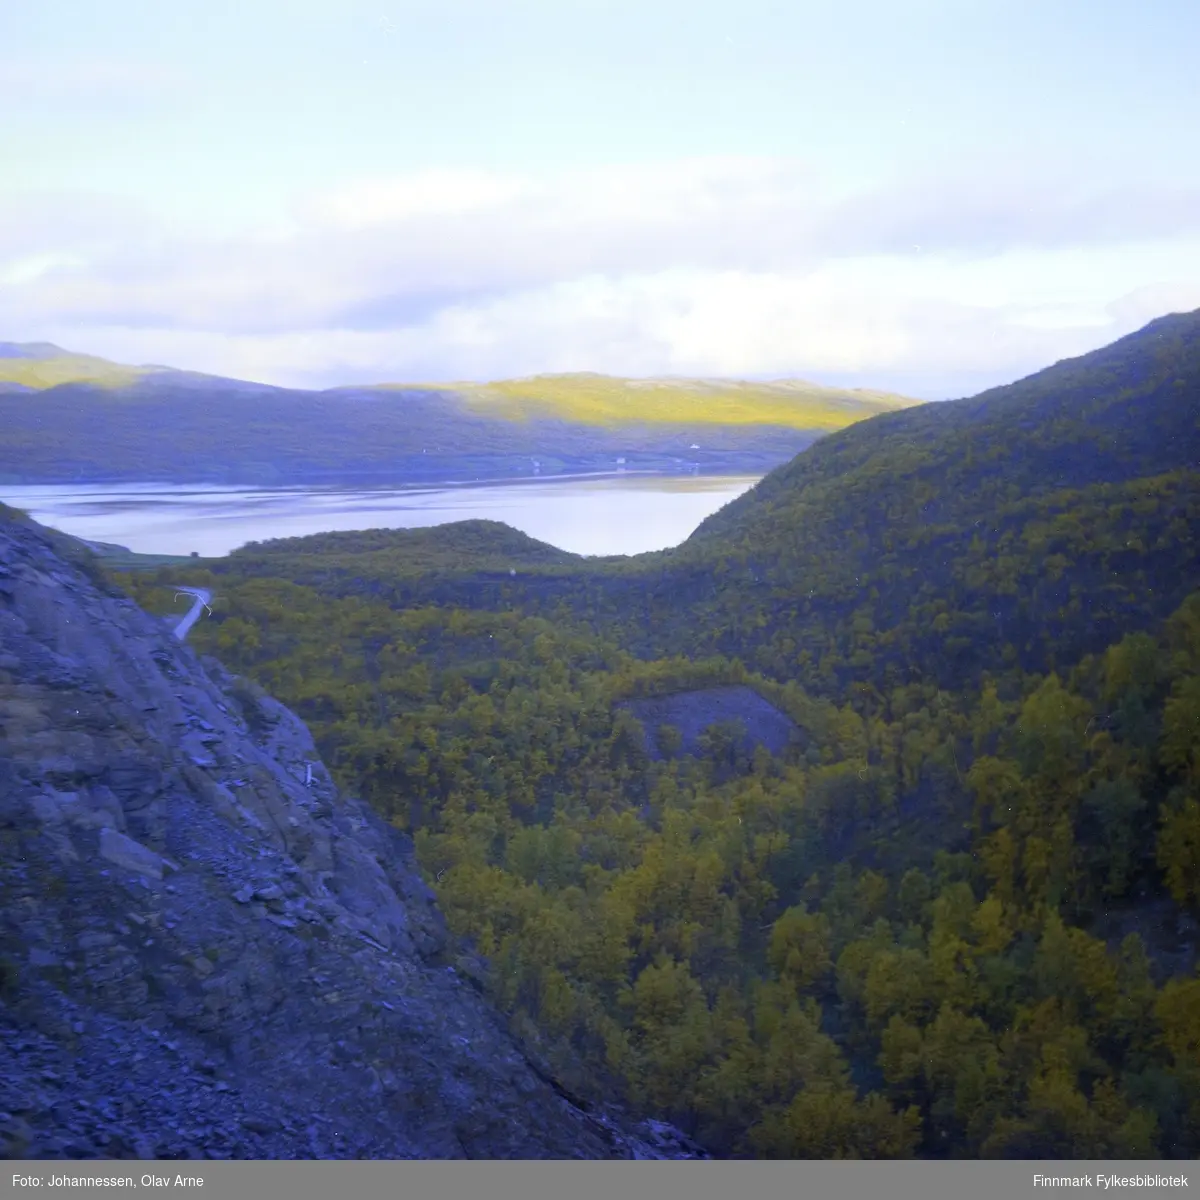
{"x":178,"y":487}
{"x":594,"y":514}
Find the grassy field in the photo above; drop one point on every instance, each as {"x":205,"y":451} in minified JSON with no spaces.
{"x":606,"y":400}
{"x":54,"y":367}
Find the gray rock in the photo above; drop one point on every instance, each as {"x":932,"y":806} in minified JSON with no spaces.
{"x":132,"y":856}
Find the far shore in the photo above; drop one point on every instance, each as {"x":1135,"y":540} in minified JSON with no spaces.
{"x":430,"y":484}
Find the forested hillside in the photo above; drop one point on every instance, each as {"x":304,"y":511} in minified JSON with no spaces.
{"x":958,"y":916}
{"x":1021,"y":528}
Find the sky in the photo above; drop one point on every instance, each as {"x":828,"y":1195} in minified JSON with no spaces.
{"x":928,"y":196}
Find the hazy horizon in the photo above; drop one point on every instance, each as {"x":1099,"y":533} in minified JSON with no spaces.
{"x":717,"y":380}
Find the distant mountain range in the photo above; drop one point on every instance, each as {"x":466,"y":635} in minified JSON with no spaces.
{"x":73,"y":417}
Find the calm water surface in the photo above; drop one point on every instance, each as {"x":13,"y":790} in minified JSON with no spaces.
{"x":626,"y":514}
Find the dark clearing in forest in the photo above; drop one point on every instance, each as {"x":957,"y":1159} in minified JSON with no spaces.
{"x":954,"y":916}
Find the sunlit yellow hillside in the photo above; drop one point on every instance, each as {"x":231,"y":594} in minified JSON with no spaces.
{"x":580,"y":399}
{"x":606,"y":400}
{"x":46,"y":366}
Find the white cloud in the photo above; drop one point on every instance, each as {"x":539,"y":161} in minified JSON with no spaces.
{"x":710,"y":266}
{"x":985,"y":208}
{"x":681,"y":323}
{"x":1142,"y":305}
{"x":423,"y":194}
{"x":34,"y":266}
{"x":99,"y":227}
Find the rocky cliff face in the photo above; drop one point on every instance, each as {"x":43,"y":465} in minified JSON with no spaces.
{"x":206,"y":950}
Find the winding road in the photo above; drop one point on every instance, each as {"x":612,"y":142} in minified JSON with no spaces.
{"x":203,"y":596}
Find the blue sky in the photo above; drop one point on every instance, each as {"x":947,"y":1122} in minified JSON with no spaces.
{"x":931,"y":195}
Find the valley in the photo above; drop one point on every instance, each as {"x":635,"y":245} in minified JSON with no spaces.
{"x":955,"y":917}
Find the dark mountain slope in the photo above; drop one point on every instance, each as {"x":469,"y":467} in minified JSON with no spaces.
{"x":164,"y":428}
{"x":1043,"y":517}
{"x":1128,"y":410}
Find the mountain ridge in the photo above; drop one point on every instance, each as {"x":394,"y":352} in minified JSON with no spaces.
{"x":74,"y":418}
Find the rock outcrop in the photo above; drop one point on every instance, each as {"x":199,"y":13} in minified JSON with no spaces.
{"x":205,"y":949}
{"x":690,"y":713}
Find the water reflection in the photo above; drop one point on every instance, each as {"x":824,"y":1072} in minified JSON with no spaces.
{"x":624,"y":514}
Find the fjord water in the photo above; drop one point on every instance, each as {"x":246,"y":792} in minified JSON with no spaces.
{"x":623,"y":514}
